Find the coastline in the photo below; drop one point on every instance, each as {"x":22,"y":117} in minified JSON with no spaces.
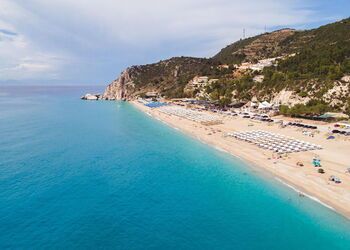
{"x":303,"y":180}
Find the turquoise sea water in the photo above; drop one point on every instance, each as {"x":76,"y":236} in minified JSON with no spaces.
{"x":87,"y":175}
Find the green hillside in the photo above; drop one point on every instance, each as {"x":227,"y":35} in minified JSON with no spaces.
{"x":322,"y":56}
{"x":311,"y":64}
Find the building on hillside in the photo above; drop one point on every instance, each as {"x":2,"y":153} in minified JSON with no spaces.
{"x":151,"y":94}
{"x":268,"y":62}
{"x":198,"y":82}
{"x":212,"y":81}
{"x":223,"y":66}
{"x":196,"y":87}
{"x":245,"y":66}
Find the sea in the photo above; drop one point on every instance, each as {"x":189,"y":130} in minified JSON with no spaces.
{"x":103,"y":175}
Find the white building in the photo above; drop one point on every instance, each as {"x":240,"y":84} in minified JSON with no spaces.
{"x":258,"y":66}
{"x":198,"y":82}
{"x":265,"y":105}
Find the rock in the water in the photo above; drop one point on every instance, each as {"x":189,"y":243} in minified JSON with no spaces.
{"x":91,"y":97}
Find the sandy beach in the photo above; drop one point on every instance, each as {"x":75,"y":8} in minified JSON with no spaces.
{"x":334,"y":155}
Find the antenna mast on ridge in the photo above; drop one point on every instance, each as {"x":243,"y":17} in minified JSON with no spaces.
{"x":243,"y":33}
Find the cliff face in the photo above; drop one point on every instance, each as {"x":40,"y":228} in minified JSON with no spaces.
{"x":120,"y":88}
{"x":168,"y":77}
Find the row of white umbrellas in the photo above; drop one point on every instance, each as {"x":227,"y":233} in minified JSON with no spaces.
{"x":189,"y":114}
{"x":274,"y":142}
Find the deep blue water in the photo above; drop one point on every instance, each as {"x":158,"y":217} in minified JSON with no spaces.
{"x":87,"y":175}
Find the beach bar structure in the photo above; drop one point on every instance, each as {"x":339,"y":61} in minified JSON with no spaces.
{"x":265,"y":106}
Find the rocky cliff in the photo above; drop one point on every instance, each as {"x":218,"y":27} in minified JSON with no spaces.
{"x":168,"y":77}
{"x":122,"y":87}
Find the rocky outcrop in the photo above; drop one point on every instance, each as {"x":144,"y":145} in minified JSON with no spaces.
{"x":289,"y":98}
{"x":337,"y":94}
{"x":91,"y":97}
{"x":346,"y":79}
{"x":121,"y":88}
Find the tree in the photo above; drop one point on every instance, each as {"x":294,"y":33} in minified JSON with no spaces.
{"x":284,"y":109}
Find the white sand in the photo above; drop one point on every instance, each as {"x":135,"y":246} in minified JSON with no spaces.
{"x":335,"y":155}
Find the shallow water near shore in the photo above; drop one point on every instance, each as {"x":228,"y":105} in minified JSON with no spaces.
{"x":78,"y":174}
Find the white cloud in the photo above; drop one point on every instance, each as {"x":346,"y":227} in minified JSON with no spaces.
{"x":38,"y":66}
{"x":136,"y":21}
{"x":88,"y":30}
{"x":22,"y":59}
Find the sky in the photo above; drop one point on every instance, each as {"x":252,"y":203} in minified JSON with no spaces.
{"x":92,"y":41}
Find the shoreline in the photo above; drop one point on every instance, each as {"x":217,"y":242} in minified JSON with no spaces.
{"x":307,"y":195}
{"x":336,"y":197}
